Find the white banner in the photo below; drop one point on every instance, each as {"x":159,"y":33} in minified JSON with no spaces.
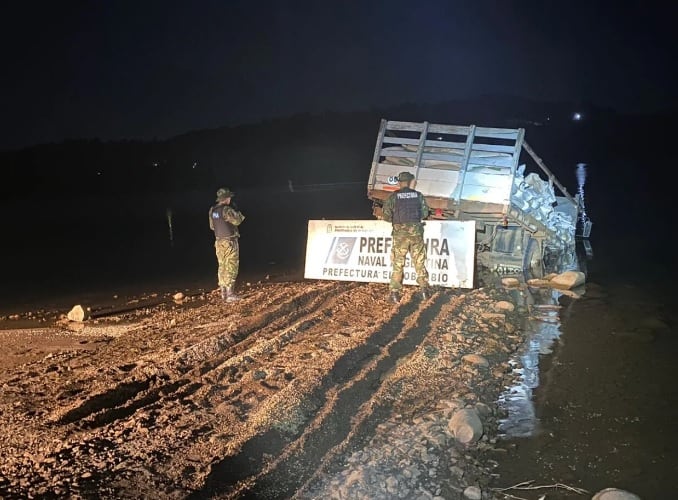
{"x":360,"y":250}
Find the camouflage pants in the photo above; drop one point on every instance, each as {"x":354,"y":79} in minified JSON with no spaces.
{"x":402,"y":244}
{"x":228,"y":257}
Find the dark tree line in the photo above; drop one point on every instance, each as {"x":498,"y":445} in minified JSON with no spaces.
{"x":334,"y":147}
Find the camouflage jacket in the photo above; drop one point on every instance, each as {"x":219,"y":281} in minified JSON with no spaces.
{"x":413,"y":228}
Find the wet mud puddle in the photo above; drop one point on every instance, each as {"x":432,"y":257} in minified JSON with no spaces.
{"x":543,"y":331}
{"x":596,"y":402}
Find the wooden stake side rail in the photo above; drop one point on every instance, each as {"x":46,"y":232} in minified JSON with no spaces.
{"x":454,"y":148}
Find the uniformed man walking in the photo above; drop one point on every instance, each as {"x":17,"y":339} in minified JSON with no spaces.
{"x":224,"y":221}
{"x":405,"y":209}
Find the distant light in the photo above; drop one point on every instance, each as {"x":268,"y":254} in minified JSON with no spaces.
{"x":194,"y":165}
{"x":155,"y":164}
{"x":98,"y":173}
{"x":576,"y":117}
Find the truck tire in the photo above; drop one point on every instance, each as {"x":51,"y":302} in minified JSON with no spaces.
{"x":533,"y":259}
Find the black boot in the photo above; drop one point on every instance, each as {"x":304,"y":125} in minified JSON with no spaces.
{"x":231,"y":295}
{"x":395,"y":297}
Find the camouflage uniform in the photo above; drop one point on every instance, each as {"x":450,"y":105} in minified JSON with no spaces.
{"x":228,"y":258}
{"x":224,"y":221}
{"x":407,"y":236}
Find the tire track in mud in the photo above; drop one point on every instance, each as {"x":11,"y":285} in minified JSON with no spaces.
{"x":273,"y":465}
{"x":153,"y":384}
{"x":287,"y":316}
{"x":376,"y":410}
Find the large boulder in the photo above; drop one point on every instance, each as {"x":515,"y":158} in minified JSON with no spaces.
{"x":466,"y":426}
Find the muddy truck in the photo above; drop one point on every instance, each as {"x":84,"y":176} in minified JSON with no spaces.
{"x":524,"y":222}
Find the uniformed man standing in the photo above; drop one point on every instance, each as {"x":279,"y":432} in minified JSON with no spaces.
{"x":224,"y":221}
{"x":405,"y":209}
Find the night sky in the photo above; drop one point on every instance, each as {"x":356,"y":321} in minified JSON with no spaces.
{"x":145,"y":69}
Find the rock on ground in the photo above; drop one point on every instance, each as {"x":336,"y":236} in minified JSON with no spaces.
{"x":77,"y":314}
{"x":614,"y":494}
{"x":569,"y":279}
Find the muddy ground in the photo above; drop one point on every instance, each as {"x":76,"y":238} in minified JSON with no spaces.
{"x":303,"y":389}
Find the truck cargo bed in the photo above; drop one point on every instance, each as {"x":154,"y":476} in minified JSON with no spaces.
{"x":475,"y":173}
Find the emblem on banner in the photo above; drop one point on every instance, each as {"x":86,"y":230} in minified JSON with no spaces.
{"x":341,"y":249}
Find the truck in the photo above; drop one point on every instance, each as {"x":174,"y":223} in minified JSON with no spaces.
{"x":524,"y":222}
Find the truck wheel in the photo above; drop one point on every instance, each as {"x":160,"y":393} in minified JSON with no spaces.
{"x":533,"y":259}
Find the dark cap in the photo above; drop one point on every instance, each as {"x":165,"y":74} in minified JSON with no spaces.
{"x":405,"y":177}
